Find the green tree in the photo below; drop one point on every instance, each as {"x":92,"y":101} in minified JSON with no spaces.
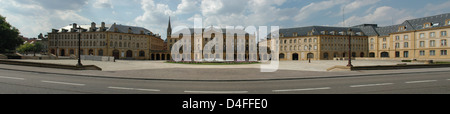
{"x":9,"y":37}
{"x":37,"y":47}
{"x":25,"y":48}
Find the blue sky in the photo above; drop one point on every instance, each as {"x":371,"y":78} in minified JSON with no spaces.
{"x":40,"y":16}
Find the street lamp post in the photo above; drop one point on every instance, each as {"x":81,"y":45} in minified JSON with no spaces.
{"x":349,"y":48}
{"x":309,"y":54}
{"x":79,"y":47}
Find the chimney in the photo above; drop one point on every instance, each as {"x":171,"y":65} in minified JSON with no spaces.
{"x":74,"y":25}
{"x":92,"y":27}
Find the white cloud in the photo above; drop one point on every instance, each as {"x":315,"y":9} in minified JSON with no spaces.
{"x":103,"y":4}
{"x":187,"y":6}
{"x":32,"y":17}
{"x":312,"y":8}
{"x":384,"y":15}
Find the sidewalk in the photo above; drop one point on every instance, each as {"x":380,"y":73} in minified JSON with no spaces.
{"x":214,"y":74}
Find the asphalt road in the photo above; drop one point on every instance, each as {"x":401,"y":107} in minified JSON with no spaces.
{"x":18,"y":82}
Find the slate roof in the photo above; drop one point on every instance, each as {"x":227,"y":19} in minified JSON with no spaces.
{"x":110,"y":28}
{"x":317,"y":30}
{"x":209,"y":29}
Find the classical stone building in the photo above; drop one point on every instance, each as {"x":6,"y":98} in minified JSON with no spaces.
{"x":421,"y":38}
{"x":321,"y":43}
{"x":120,"y":41}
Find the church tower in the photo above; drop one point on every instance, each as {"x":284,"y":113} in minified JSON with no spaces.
{"x":169,"y":29}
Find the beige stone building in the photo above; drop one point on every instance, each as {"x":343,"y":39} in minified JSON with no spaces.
{"x":120,"y":41}
{"x":421,"y":38}
{"x":321,"y":43}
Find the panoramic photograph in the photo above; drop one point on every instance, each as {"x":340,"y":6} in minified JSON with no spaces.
{"x":224,"y":47}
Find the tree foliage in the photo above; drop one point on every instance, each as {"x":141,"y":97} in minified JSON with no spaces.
{"x":9,"y":36}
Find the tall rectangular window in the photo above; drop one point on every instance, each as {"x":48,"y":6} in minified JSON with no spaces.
{"x":406,"y":45}
{"x":422,"y":53}
{"x":422,"y":35}
{"x":384,"y":46}
{"x":432,"y":43}
{"x":397,"y":38}
{"x":443,"y":52}
{"x":406,"y":37}
{"x":422,"y":44}
{"x":397,"y":45}
{"x":443,"y":33}
{"x":443,"y":42}
{"x":432,"y":52}
{"x":405,"y":54}
{"x":432,"y":34}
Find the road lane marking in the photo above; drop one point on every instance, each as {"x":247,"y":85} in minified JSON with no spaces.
{"x":217,"y":92}
{"x":422,"y":81}
{"x":370,"y":85}
{"x":138,"y":89}
{"x":14,"y":78}
{"x":64,"y":83}
{"x":306,"y":89}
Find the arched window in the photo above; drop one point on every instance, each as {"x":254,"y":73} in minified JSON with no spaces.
{"x":141,"y":53}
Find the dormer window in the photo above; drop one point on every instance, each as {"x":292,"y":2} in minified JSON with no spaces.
{"x":333,"y":32}
{"x":281,"y":35}
{"x":359,"y":33}
{"x":402,"y":28}
{"x":295,"y":34}
{"x":323,"y":32}
{"x":427,"y":25}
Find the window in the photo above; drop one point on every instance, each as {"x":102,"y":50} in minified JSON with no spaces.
{"x":310,"y":40}
{"x":432,"y":43}
{"x":406,"y":45}
{"x":432,"y":52}
{"x":405,"y":54}
{"x":290,"y":41}
{"x":315,"y":47}
{"x":384,"y":46}
{"x":443,"y":52}
{"x":315,"y":40}
{"x":422,"y":35}
{"x":305,"y":40}
{"x":371,"y":47}
{"x":371,"y":40}
{"x":141,"y":54}
{"x":397,"y":38}
{"x":397,"y":45}
{"x":422,"y":44}
{"x":432,"y":34}
{"x":443,"y":42}
{"x":306,"y":47}
{"x":384,"y":39}
{"x":443,"y":33}
{"x":406,"y":37}
{"x":422,"y":53}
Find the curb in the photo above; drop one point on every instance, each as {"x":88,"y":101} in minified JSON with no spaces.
{"x":48,"y":65}
{"x":244,"y":80}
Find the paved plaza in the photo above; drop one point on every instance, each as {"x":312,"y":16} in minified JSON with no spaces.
{"x":124,"y":65}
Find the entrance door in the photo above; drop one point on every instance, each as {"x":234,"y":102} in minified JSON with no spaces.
{"x":295,"y":56}
{"x":116,"y":54}
{"x":129,"y":54}
{"x":63,"y":52}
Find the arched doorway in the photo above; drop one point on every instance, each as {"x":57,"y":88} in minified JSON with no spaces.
{"x":158,"y":57}
{"x":310,"y":56}
{"x":336,"y":54}
{"x":116,"y":54}
{"x":295,"y":56}
{"x":63,"y":52}
{"x":362,"y":54}
{"x":281,"y":56}
{"x":129,"y":54}
{"x":168,"y":57}
{"x":100,"y":52}
{"x":71,"y":52}
{"x":325,"y":56}
{"x":163,"y":56}
{"x":53,"y":51}
{"x":152,"y":56}
{"x":372,"y":54}
{"x":91,"y":52}
{"x":353,"y":54}
{"x":344,"y":54}
{"x":384,"y":54}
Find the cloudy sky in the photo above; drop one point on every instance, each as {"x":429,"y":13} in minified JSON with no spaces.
{"x":40,"y":16}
